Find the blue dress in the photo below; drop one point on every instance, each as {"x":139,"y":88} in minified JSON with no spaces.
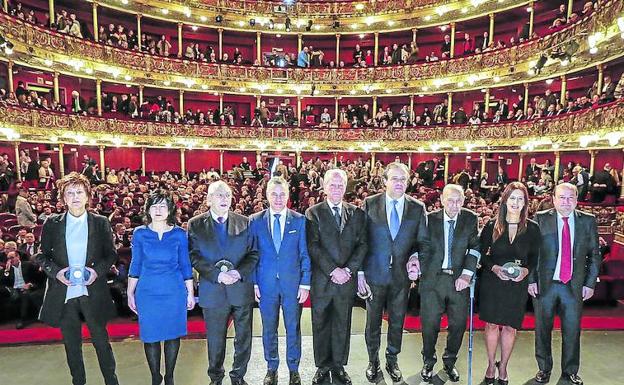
{"x":161,"y":266}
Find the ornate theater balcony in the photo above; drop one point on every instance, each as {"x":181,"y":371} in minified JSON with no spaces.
{"x":595,"y":39}
{"x":600,"y":127}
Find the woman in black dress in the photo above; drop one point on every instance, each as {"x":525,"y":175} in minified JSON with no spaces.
{"x":510,"y":237}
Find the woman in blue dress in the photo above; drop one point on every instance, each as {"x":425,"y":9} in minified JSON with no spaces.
{"x":160,"y":283}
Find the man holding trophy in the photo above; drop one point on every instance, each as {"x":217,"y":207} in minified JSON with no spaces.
{"x":221,"y":250}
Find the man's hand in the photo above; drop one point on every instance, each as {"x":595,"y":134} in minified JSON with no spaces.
{"x":92,"y":277}
{"x":303,"y":294}
{"x":226,"y":278}
{"x":61,"y":276}
{"x":257,"y":293}
{"x":190,"y":301}
{"x":340,"y":276}
{"x":27,"y":286}
{"x":533,"y":291}
{"x":587,"y":293}
{"x":132,"y":303}
{"x":363,"y":287}
{"x":462,"y":282}
{"x":498,"y":271}
{"x":235,"y":274}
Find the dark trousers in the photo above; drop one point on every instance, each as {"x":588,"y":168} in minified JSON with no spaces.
{"x":216,"y":330}
{"x":558,"y":299}
{"x":71,"y":326}
{"x":291,"y":310}
{"x":27,"y":299}
{"x":434,"y":301}
{"x":392,"y":298}
{"x":331,"y":329}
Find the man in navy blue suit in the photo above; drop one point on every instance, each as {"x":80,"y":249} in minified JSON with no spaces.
{"x":221,"y":250}
{"x":282,"y":276}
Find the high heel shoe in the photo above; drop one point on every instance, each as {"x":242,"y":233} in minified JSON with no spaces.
{"x":500,"y":381}
{"x":491,"y":380}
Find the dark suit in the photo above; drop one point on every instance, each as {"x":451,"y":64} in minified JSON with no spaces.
{"x":331,"y":247}
{"x":530,"y":170}
{"x":279,"y":275}
{"x":97,"y":308}
{"x":385,"y":269}
{"x":27,"y":252}
{"x":30,"y":297}
{"x":437,"y":289}
{"x":556,"y":297}
{"x":220,"y":301}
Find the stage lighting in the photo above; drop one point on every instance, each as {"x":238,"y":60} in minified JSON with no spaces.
{"x":252,"y":22}
{"x":271,"y":24}
{"x":219,"y":18}
{"x":287,"y":23}
{"x":309,"y":26}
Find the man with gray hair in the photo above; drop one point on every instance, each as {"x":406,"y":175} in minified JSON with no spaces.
{"x":336,"y":232}
{"x":221,"y":250}
{"x":282,"y":277}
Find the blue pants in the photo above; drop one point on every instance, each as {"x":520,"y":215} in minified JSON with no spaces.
{"x":291,"y":311}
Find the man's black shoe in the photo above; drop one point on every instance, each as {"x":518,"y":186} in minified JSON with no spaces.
{"x":373,"y":372}
{"x":394,"y":371}
{"x":427,"y":373}
{"x":270,"y":378}
{"x":295,"y":379}
{"x":452,"y":373}
{"x":321,"y":376}
{"x":340,"y":375}
{"x":542,"y":377}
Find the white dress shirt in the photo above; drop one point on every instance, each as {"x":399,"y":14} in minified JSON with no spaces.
{"x":331,"y":207}
{"x":18,"y":281}
{"x":76,"y":238}
{"x":556,"y":276}
{"x":399,"y":206}
{"x":216,"y":217}
{"x":447,"y":251}
{"x":282,"y":220}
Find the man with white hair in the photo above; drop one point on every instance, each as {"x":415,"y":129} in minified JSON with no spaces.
{"x":77,"y":103}
{"x":336,"y":232}
{"x":221,"y":250}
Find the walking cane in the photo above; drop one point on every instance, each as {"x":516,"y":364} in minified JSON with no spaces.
{"x":473,"y":282}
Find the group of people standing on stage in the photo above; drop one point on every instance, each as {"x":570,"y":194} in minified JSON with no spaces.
{"x":280,"y":258}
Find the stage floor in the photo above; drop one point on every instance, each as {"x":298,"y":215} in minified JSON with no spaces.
{"x":601,"y":360}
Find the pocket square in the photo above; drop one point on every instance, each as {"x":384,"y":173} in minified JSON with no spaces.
{"x":292,"y":231}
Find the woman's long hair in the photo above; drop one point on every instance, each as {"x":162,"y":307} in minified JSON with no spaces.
{"x":501,"y":218}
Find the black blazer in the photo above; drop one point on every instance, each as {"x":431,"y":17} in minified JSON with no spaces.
{"x":466,"y":245}
{"x":205,"y":252}
{"x":585,"y":251}
{"x":101,"y":255}
{"x":331,"y":247}
{"x":412,"y":238}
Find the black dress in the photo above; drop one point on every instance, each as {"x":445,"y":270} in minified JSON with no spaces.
{"x":504,"y":302}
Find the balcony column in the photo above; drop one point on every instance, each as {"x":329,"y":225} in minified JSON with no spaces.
{"x":592,"y":161}
{"x":181,"y":102}
{"x":446,"y":167}
{"x":526,"y":98}
{"x":600,"y":79}
{"x":95,"y":20}
{"x":564,"y":86}
{"x":10,"y":76}
{"x":57,"y":92}
{"x":491,"y":31}
{"x":449,"y":109}
{"x":182,"y":162}
{"x":259,"y":47}
{"x":557,"y":167}
{"x":409,"y":160}
{"x":336,"y":112}
{"x":139,"y":33}
{"x":374,"y":109}
{"x":5,"y":6}
{"x":298,"y":158}
{"x":220,"y":31}
{"x":372,"y":162}
{"x":452,"y":39}
{"x":50,"y":10}
{"x":143,"y":161}
{"x":570,"y":7}
{"x":622,"y":186}
{"x":179,"y":39}
{"x":258,"y":156}
{"x":487,"y":101}
{"x":412,"y":116}
{"x":220,"y":102}
{"x":521,"y":167}
{"x":17,"y":160}
{"x":531,"y":18}
{"x":61,"y":161}
{"x":141,"y":87}
{"x":102,"y":163}
{"x":299,"y":42}
{"x":98,"y":96}
{"x":257,"y":101}
{"x":376,"y":49}
{"x":299,"y":111}
{"x":414,"y":34}
{"x":337,"y":49}
{"x":221,"y":162}
{"x":483,"y":158}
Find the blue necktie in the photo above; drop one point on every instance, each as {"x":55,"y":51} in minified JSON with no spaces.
{"x":221,"y":231}
{"x":395,"y":224}
{"x":451,"y":234}
{"x":277,"y":232}
{"x":337,"y":215}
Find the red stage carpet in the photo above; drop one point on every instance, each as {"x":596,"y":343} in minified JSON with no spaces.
{"x":122,"y":328}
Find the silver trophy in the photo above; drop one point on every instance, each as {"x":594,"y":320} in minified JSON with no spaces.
{"x":224,"y":265}
{"x":512,"y":269}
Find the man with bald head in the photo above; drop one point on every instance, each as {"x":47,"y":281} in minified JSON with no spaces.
{"x":221,"y":250}
{"x":568,"y":266}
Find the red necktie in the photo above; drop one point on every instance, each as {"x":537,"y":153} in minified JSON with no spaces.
{"x":565,"y":267}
